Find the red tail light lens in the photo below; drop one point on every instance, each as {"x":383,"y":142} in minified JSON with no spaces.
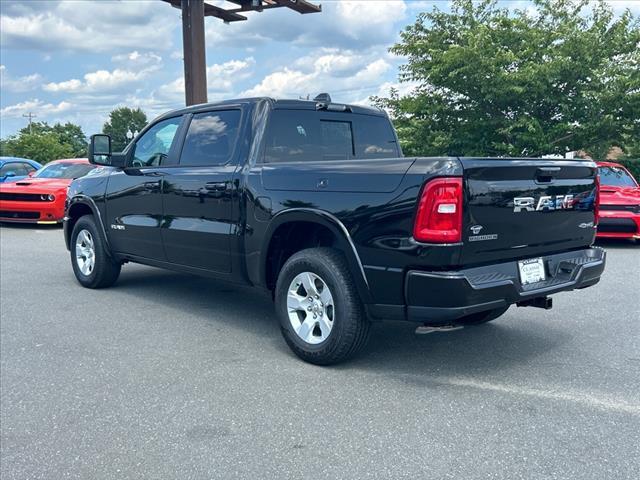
{"x":596,"y":201}
{"x":439,"y":217}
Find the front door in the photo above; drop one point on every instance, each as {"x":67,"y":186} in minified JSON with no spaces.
{"x":198,"y":193}
{"x":134,"y":194}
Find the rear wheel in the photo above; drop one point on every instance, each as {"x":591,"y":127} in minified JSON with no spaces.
{"x":321,"y":316}
{"x":482,"y":317}
{"x":91,"y":263}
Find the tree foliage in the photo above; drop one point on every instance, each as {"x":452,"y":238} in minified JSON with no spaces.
{"x":120,"y":121}
{"x":43,"y":142}
{"x":497,"y":82}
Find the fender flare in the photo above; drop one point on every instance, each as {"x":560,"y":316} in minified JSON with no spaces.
{"x":338,"y":229}
{"x":89,"y":202}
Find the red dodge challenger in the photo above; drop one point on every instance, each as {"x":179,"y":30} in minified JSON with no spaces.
{"x":619,"y":203}
{"x":40,"y":197}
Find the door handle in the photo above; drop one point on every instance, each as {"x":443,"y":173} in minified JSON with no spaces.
{"x":217,"y":186}
{"x":547,"y":174}
{"x":151,"y":185}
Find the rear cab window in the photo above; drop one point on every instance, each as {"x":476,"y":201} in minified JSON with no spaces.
{"x":311,"y":136}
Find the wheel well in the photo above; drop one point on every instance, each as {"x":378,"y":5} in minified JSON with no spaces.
{"x":75,"y":212}
{"x":290,"y":238}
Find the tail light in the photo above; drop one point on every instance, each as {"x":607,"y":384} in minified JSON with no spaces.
{"x":596,"y":201}
{"x":439,"y":217}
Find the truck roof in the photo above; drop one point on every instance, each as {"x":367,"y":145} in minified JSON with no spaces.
{"x":277,"y":103}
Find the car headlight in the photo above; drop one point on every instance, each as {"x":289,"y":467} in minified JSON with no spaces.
{"x":47,"y":197}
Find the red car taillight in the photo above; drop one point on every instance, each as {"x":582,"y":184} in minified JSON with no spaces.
{"x":439,"y":216}
{"x":596,"y":201}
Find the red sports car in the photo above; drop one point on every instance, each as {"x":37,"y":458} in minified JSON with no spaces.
{"x":40,"y":197}
{"x":619,"y":203}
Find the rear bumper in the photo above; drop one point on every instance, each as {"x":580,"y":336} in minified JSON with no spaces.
{"x":616,"y":224}
{"x":442,"y":297}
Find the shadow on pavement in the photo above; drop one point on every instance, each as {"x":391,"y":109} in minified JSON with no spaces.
{"x":393,"y":346}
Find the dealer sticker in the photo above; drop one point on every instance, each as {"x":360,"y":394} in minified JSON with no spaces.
{"x":531,"y":271}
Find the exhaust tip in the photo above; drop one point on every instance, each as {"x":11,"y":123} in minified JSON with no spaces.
{"x":425,"y":329}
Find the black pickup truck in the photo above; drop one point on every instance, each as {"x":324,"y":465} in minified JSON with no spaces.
{"x":314,"y":202}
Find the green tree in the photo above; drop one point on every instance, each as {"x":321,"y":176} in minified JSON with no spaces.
{"x":43,"y":142}
{"x":68,"y":133}
{"x":121,"y":120}
{"x":41,"y":147}
{"x":496,"y":82}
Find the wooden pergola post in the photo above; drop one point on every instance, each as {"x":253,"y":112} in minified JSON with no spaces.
{"x":195,"y":62}
{"x":193,"y":13}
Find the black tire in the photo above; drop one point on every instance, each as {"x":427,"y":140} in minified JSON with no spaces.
{"x":350,"y":325}
{"x":105,"y":270}
{"x":482,"y":317}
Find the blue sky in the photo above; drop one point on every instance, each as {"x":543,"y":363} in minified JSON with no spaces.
{"x":76,"y":60}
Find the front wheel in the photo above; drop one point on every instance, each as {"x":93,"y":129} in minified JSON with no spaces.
{"x":321,"y":316}
{"x":91,"y":263}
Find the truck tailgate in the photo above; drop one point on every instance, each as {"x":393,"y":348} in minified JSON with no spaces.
{"x":519,"y":208}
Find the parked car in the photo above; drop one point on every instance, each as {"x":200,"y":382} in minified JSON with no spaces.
{"x":619,"y":215}
{"x":313,"y":202}
{"x":16,"y":168}
{"x":40,"y":198}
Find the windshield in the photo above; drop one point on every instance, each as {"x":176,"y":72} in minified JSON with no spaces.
{"x":64,"y":170}
{"x":616,"y":177}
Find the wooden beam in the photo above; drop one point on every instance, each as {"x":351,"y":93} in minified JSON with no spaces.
{"x":212,"y":11}
{"x":195,"y":66}
{"x":300,"y":6}
{"x":221,"y":13}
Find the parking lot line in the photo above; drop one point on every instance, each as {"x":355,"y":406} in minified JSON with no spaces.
{"x":599,"y":401}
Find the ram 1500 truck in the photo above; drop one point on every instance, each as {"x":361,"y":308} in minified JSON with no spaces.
{"x":314,"y":202}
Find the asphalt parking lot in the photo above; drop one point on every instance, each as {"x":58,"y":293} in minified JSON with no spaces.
{"x":168,"y":376}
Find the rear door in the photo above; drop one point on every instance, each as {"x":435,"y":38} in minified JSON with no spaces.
{"x":198,"y":192}
{"x":517,"y":208}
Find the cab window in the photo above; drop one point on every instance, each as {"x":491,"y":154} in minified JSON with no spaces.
{"x":152,"y":148}
{"x":375,"y":138}
{"x":310,"y":136}
{"x":211,"y":138}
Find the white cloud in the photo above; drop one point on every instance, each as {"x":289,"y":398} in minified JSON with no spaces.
{"x":136,"y":67}
{"x":19,"y":84}
{"x":98,"y":81}
{"x":35,"y":105}
{"x":221,"y":79}
{"x":347,"y":76}
{"x":137,"y":59}
{"x":88,"y":26}
{"x":344,"y":24}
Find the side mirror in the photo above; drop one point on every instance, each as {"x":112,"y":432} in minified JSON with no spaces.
{"x":100,"y":149}
{"x":31,"y":173}
{"x":10,"y":174}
